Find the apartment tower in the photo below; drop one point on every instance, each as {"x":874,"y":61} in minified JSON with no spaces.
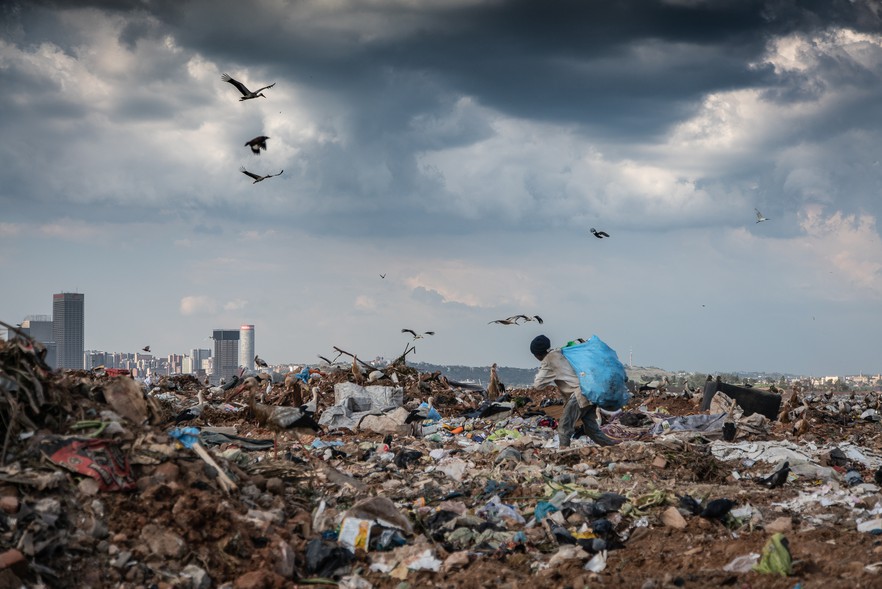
{"x":68,"y":329}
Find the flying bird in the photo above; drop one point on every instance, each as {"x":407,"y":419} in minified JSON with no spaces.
{"x":146,"y":349}
{"x":759,"y":216}
{"x":599,"y":234}
{"x":527,"y":318}
{"x":508,"y":321}
{"x":260,"y":362}
{"x":382,"y":276}
{"x":257,"y":144}
{"x":258,"y":178}
{"x":777,"y":478}
{"x":246,"y":93}
{"x":417,"y":335}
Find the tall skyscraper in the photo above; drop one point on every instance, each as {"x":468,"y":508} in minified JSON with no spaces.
{"x":246,"y":356}
{"x":68,"y":329}
{"x":226,"y":354}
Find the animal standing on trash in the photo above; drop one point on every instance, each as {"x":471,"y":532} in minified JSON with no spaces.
{"x":193,"y":412}
{"x":555,"y":369}
{"x":260,"y":362}
{"x":777,"y":478}
{"x":494,"y":388}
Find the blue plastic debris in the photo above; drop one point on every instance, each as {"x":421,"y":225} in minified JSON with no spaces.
{"x":187,"y":436}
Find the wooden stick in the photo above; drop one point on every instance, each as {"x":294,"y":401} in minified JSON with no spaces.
{"x":365,"y":364}
{"x":225,"y":481}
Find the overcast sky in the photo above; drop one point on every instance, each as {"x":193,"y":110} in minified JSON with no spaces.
{"x":463,"y":149}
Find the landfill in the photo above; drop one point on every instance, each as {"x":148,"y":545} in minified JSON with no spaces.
{"x":385,"y":477}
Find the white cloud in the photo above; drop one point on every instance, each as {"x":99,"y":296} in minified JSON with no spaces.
{"x":198,"y":305}
{"x":235,"y":305}
{"x":365,"y":303}
{"x":850,"y":244}
{"x":10,"y":229}
{"x":472,"y":285}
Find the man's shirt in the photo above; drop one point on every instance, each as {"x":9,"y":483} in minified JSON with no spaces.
{"x":556,"y":370}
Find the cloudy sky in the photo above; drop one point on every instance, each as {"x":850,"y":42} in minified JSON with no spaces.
{"x":463,"y":149}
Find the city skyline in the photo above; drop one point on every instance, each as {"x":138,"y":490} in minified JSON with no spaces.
{"x":439,"y":166}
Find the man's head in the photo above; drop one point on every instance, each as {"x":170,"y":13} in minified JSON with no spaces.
{"x":539,"y":346}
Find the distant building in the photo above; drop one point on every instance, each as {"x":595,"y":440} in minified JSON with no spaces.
{"x":175,"y":364}
{"x":246,"y":355}
{"x":68,"y":329}
{"x":197,"y":357}
{"x":40,"y":328}
{"x":226,"y":354}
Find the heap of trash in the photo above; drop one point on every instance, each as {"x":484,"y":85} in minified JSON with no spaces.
{"x":357,"y":477}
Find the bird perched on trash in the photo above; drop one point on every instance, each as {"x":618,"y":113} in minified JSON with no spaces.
{"x":257,"y":144}
{"x":421,"y":413}
{"x":258,"y":177}
{"x":246,"y":93}
{"x":599,"y":234}
{"x":560,"y":533}
{"x":717,"y":509}
{"x":690,"y":504}
{"x":193,"y":412}
{"x":801,"y":425}
{"x":493,"y":389}
{"x":417,"y":335}
{"x":759,"y":216}
{"x":357,"y":376}
{"x":146,"y":349}
{"x":777,"y":478}
{"x":260,"y":362}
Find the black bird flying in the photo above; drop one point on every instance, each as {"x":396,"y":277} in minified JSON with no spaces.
{"x":257,"y":144}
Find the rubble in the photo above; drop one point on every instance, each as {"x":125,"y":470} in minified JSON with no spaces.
{"x":99,"y":487}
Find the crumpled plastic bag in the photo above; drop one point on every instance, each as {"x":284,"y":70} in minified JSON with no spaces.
{"x":775,"y":559}
{"x":601,"y":374}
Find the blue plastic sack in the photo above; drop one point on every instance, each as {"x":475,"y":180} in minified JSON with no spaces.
{"x":601,"y":374}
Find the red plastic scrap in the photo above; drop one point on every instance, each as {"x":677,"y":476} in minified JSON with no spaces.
{"x":99,"y":459}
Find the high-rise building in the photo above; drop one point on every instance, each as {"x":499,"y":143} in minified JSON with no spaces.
{"x":246,"y":353}
{"x":40,"y":328}
{"x":68,"y":329}
{"x":197,"y":359}
{"x":226,"y":354}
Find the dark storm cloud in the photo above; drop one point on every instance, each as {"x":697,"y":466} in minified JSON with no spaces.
{"x":632,"y":66}
{"x":624,"y":71}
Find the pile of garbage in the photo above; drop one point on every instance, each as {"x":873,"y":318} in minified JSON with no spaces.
{"x":350,"y":476}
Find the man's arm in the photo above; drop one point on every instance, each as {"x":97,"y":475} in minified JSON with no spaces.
{"x":544,"y":377}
